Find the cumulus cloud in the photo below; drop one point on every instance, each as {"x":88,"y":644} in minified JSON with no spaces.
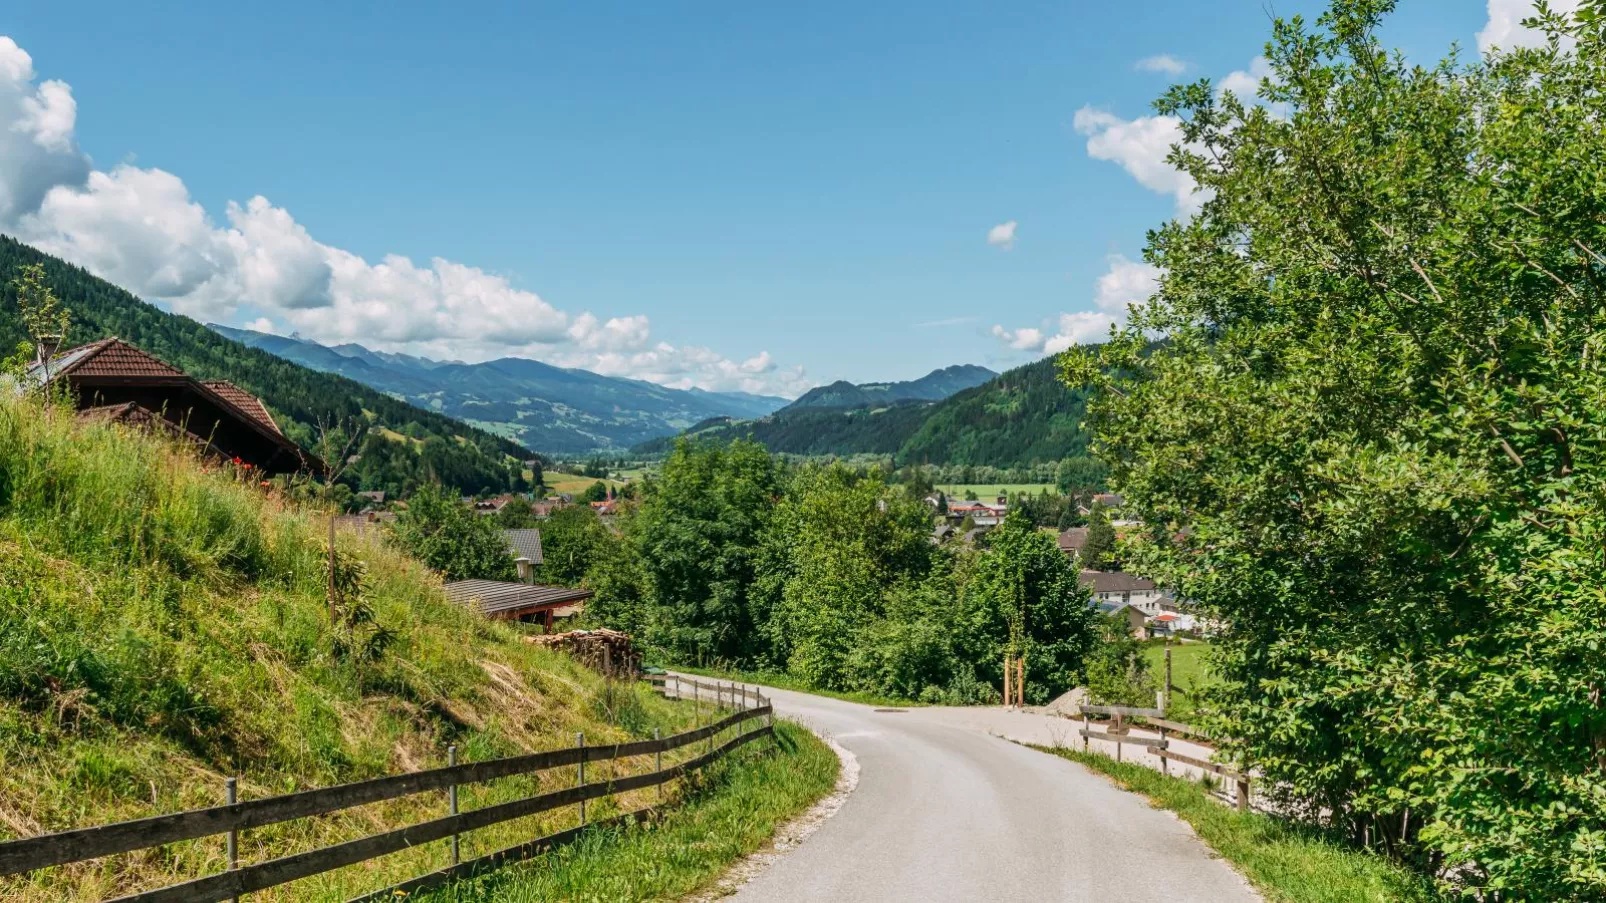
{"x":1504,"y":29}
{"x":36,"y":125}
{"x":1140,"y":147}
{"x":1125,"y":283}
{"x":1246,"y":83}
{"x":141,"y":229}
{"x":1002,"y":235}
{"x":1161,"y":62}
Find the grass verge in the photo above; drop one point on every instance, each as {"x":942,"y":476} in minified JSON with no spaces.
{"x":788,"y":682}
{"x":732,"y":811}
{"x":1287,"y":863}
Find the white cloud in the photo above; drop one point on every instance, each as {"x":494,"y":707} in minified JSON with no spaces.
{"x":1504,"y":29}
{"x":1161,"y":62}
{"x":1002,"y":235}
{"x":36,"y":147}
{"x":1140,"y":147}
{"x":1127,"y":282}
{"x":141,"y":229}
{"x":1246,"y":84}
{"x":1024,"y":339}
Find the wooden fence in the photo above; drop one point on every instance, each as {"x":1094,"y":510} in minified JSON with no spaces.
{"x":1117,"y":731}
{"x":28,"y":854}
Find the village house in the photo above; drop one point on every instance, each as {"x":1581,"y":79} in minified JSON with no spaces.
{"x":1072,"y":541}
{"x":113,"y":380}
{"x":1119,"y":587}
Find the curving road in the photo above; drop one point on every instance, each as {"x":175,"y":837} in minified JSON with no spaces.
{"x":944,"y":810}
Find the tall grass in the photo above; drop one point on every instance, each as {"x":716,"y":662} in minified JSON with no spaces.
{"x":163,"y":625}
{"x":735,"y":807}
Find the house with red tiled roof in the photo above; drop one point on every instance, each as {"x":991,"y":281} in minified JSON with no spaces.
{"x":113,"y":380}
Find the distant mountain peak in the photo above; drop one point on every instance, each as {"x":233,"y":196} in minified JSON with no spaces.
{"x":934,"y":386}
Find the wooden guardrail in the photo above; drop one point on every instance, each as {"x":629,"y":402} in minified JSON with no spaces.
{"x":1118,"y":734}
{"x":28,"y":854}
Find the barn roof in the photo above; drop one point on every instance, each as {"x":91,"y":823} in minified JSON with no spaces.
{"x":499,"y":598}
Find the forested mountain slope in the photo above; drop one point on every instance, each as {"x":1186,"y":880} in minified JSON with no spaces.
{"x":558,"y":410}
{"x":934,"y":386}
{"x":460,"y":455}
{"x":1024,"y":416}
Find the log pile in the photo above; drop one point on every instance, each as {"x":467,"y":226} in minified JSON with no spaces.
{"x":606,"y":651}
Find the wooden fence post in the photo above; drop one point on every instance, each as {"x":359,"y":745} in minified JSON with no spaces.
{"x":1243,"y":793}
{"x":451,"y":798}
{"x":231,"y":796}
{"x":1008,"y":667}
{"x":1086,"y":726}
{"x":1165,"y":704}
{"x":658,"y":765}
{"x":580,"y":775}
{"x":1163,"y":745}
{"x":1020,"y":680}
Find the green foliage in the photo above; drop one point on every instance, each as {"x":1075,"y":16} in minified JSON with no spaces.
{"x":43,"y":319}
{"x":1024,"y":599}
{"x":1379,"y":411}
{"x":1081,"y":476}
{"x":839,"y":541}
{"x":1098,"y":553}
{"x":442,"y":532}
{"x":1118,"y":671}
{"x":596,"y":492}
{"x":517,"y":514}
{"x":828,"y":575}
{"x":573,"y":540}
{"x":698,"y":532}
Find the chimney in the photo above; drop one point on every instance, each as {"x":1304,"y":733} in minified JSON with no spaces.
{"x":526,"y":570}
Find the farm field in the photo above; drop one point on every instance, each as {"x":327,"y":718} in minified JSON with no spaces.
{"x":990,"y":491}
{"x":573,"y":482}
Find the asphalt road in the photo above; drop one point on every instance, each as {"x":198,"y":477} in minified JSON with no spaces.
{"x":945,"y":810}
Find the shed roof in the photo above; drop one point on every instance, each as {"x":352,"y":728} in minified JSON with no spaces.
{"x":524,"y":543}
{"x":500,"y":599}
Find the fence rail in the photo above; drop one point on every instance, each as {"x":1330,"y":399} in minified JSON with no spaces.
{"x":28,"y":854}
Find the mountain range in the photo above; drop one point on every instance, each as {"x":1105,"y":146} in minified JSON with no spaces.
{"x":934,"y":386}
{"x":1020,"y":417}
{"x":553,"y":410}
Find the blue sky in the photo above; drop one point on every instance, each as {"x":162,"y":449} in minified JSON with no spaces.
{"x":733,"y":195}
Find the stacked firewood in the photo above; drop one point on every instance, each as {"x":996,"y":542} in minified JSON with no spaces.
{"x":607,"y":651}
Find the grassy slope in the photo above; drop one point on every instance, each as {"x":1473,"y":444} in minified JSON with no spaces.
{"x":162,"y":627}
{"x":733,"y":813}
{"x":1285,"y":863}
